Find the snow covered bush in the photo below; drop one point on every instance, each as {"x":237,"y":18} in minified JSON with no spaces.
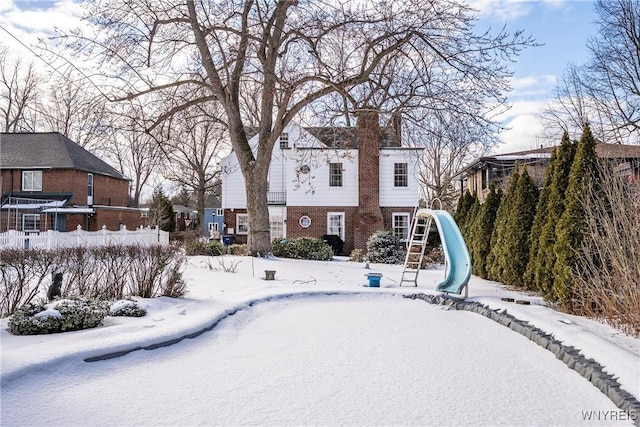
{"x":383,"y":247}
{"x":302,"y":248}
{"x":127,"y":308}
{"x":59,"y":316}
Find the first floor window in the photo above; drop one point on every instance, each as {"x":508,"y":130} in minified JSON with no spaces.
{"x":277,"y":228}
{"x":401,"y":225}
{"x":400,"y":175}
{"x":213,"y":227}
{"x":242,"y":223}
{"x":31,"y":180}
{"x":30,"y":222}
{"x":335,"y":224}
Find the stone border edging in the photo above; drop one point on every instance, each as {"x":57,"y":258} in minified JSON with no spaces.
{"x":572,"y":357}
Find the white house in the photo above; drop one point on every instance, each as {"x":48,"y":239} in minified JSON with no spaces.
{"x":348,"y":182}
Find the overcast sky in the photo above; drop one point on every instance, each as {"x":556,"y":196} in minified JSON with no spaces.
{"x":562,"y":25}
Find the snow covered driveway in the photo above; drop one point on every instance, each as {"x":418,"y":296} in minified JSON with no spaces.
{"x":319,"y":360}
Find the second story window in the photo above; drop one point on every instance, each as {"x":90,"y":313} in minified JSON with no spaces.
{"x":400,"y":175}
{"x":284,"y":140}
{"x":32,"y":181}
{"x":90,"y":189}
{"x":335,"y":174}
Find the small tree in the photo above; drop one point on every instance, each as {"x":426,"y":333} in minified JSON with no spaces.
{"x":498,"y":255}
{"x":161,"y":211}
{"x":570,"y":230}
{"x":517,"y":240}
{"x":543,"y":262}
{"x":481,"y":230}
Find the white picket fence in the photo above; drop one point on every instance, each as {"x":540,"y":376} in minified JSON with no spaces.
{"x":55,"y":239}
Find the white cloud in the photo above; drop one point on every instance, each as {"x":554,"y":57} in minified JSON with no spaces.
{"x":510,"y":10}
{"x":522,"y":134}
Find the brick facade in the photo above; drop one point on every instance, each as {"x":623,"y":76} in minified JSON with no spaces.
{"x":368,"y":217}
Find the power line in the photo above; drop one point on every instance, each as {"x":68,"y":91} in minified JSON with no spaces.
{"x":52,"y":66}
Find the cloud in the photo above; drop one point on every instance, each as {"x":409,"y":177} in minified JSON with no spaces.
{"x":522,"y":133}
{"x":510,"y":10}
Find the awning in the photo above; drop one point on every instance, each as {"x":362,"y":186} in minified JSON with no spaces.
{"x":34,"y":204}
{"x":69,"y":210}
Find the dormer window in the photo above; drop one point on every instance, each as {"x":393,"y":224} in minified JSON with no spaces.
{"x":284,"y":140}
{"x":31,"y":180}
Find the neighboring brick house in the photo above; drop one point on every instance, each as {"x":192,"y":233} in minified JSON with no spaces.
{"x":48,"y":182}
{"x":496,"y":169}
{"x":348,"y":182}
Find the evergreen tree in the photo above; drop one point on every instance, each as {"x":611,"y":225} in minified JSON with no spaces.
{"x":544,"y":261}
{"x":466,"y":229}
{"x":462,"y":210}
{"x":481,"y":230}
{"x":570,"y":229}
{"x":538,"y":223}
{"x":517,"y":240}
{"x":498,"y":258}
{"x":161,"y":211}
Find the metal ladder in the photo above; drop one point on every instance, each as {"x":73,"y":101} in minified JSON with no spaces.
{"x":416,"y":245}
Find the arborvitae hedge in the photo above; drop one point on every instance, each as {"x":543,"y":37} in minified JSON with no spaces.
{"x":545,"y":259}
{"x":498,"y":257}
{"x":463,"y":208}
{"x":516,"y":242}
{"x":571,"y":227}
{"x":479,"y":243}
{"x":538,"y":222}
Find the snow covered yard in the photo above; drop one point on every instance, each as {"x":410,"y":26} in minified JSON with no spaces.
{"x":313,"y":347}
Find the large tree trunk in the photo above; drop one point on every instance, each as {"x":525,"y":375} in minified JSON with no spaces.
{"x":259,"y":227}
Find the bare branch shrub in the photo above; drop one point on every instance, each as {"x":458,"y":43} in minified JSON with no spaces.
{"x":608,"y":274}
{"x":156,"y":271}
{"x":22,"y":273}
{"x":106,"y":272}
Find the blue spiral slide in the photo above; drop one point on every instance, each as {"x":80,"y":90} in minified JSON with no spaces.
{"x":458,"y":261}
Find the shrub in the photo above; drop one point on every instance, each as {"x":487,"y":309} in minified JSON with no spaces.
{"x":383,"y":247}
{"x":127,"y":308}
{"x":59,"y":316}
{"x":237,"y":249}
{"x":357,"y":255}
{"x":104,"y":272}
{"x":302,"y":248}
{"x":200,"y":247}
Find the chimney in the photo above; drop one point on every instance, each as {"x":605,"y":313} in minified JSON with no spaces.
{"x":396,"y":122}
{"x":368,"y":216}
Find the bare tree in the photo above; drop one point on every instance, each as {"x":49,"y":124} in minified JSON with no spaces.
{"x":291,"y":54}
{"x":135,"y":151}
{"x":195,"y":140}
{"x":613,"y":73}
{"x":70,"y":108}
{"x":19,"y":93}
{"x":604,"y":92}
{"x":449,"y":143}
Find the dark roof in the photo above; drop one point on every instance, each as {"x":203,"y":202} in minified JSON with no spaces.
{"x":603,"y":151}
{"x":49,"y":150}
{"x":340,"y":137}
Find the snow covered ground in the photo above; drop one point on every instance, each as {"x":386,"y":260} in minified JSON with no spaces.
{"x":316,"y":346}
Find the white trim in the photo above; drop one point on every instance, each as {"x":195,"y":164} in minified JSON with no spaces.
{"x":408,"y":223}
{"x":242,"y":215}
{"x":342,"y":224}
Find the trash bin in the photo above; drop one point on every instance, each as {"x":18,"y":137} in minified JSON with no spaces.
{"x":228,"y":240}
{"x":374,"y":279}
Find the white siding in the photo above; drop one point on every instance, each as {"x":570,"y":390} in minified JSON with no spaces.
{"x":312,"y":188}
{"x":233,"y":185}
{"x":233,"y":191}
{"x":398,"y":196}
